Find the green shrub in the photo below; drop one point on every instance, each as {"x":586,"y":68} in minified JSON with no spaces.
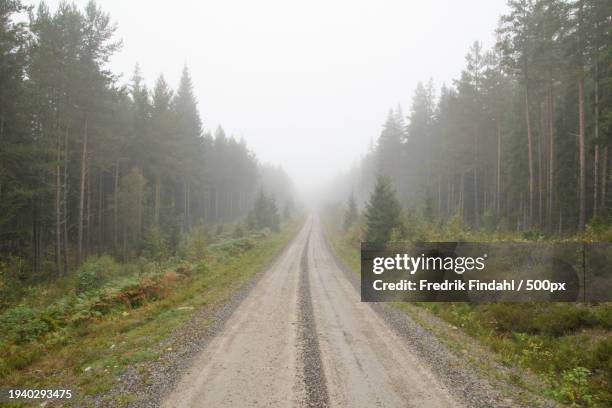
{"x":233,"y":247}
{"x":574,"y":387}
{"x":193,"y":245}
{"x":93,"y":273}
{"x":58,"y":314}
{"x":238,"y":231}
{"x":511,"y":317}
{"x":22,"y":324}
{"x":602,"y":356}
{"x":156,"y":246}
{"x":561,"y":319}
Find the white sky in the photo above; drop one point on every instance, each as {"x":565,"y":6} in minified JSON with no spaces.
{"x":306,"y":83}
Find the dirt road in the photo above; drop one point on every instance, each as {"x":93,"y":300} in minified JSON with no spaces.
{"x":303,"y":338}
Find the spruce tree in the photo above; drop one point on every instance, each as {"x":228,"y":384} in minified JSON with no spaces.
{"x":351,"y":214}
{"x":382,"y":211}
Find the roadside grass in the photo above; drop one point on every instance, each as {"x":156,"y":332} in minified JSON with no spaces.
{"x":85,"y":339}
{"x":568,"y":346}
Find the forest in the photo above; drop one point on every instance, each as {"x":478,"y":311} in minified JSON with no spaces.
{"x":90,"y":164}
{"x":514,"y":150}
{"x":520,"y":141}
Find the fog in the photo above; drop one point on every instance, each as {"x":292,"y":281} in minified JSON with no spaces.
{"x":307,"y":84}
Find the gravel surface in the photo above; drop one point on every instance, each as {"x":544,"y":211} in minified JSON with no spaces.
{"x":310,"y":355}
{"x":297,"y":335}
{"x":162,"y":375}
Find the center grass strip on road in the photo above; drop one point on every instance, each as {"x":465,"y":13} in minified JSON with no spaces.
{"x":314,"y":380}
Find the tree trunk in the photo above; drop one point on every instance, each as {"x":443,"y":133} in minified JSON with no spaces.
{"x":100,"y":239}
{"x":476,"y":197}
{"x":82,"y":189}
{"x":157,"y":199}
{"x":595,"y":179}
{"x":58,"y":212}
{"x":604,"y":177}
{"x":596,"y":135}
{"x":87,"y":227}
{"x":529,"y":158}
{"x":461,"y":195}
{"x":139,"y":210}
{"x":581,"y":155}
{"x":65,"y":204}
{"x":116,"y":206}
{"x":216,"y":205}
{"x":439,"y":196}
{"x":185,"y":205}
{"x":498,"y":175}
{"x":551,"y":155}
{"x":540,"y":167}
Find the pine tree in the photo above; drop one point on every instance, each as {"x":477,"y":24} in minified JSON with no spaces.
{"x":382,"y":211}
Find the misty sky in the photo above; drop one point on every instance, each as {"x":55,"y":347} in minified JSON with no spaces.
{"x":308,"y":84}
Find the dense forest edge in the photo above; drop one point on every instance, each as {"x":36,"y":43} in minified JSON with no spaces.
{"x":515,"y":149}
{"x":90,"y":165}
{"x":120,"y":215}
{"x":519,"y":142}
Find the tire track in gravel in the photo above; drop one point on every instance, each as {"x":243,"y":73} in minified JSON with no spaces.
{"x":313,"y":375}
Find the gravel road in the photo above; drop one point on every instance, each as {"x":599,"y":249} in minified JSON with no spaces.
{"x":303,"y":338}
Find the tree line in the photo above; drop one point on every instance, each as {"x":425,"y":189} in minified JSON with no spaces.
{"x":521,"y":139}
{"x":89,"y":165}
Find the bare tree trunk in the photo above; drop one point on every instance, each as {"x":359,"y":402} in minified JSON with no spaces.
{"x":596,"y":179}
{"x":541,"y":165}
{"x":498,"y":175}
{"x":204,"y":206}
{"x":157,"y":199}
{"x":100,"y":207}
{"x":476,"y":197}
{"x":581,"y":155}
{"x":65,"y":204}
{"x":529,"y":157}
{"x":439,"y":196}
{"x":58,"y":211}
{"x":116,"y":206}
{"x":521,"y":213}
{"x":216,"y":205}
{"x":551,"y":155}
{"x":604,"y":177}
{"x":139,"y":210}
{"x":82,"y":189}
{"x":596,"y":161}
{"x":461,"y":196}
{"x":189,"y":211}
{"x":185,"y":210}
{"x":35,"y":238}
{"x":87,"y":227}
{"x":449,"y":195}
{"x":125,"y":241}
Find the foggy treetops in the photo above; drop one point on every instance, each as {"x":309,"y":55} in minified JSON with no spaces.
{"x":88,"y":165}
{"x":521,"y":139}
